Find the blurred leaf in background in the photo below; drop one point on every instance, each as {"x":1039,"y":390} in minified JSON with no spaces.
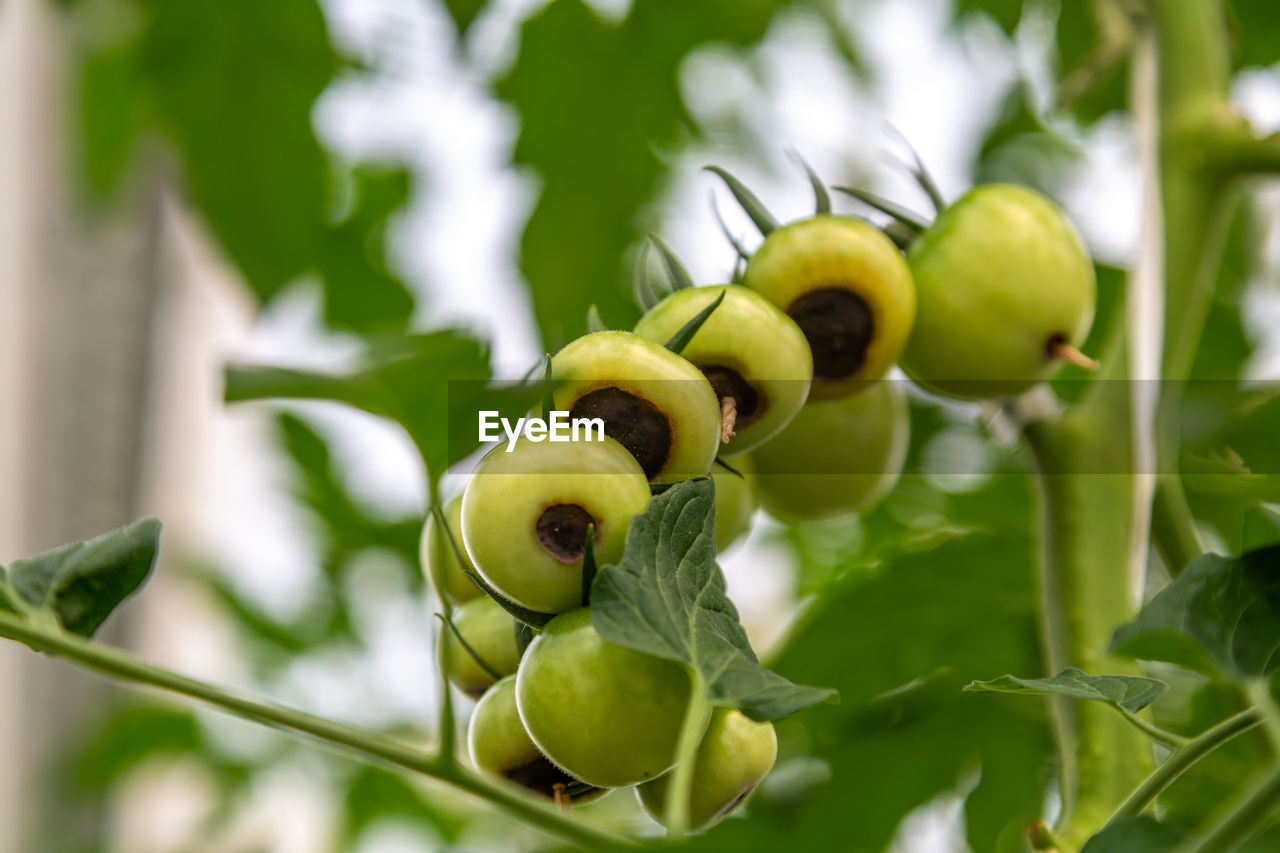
{"x":960,"y":608}
{"x":232,"y":84}
{"x":598,"y":104}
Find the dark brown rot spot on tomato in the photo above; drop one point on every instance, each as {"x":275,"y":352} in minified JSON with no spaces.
{"x":562,"y":531}
{"x":542,"y":776}
{"x":635,"y":423}
{"x":839,"y":326}
{"x":737,"y":801}
{"x":729,"y":383}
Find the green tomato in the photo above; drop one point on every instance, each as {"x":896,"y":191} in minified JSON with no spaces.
{"x":657,"y":404}
{"x":849,"y":290}
{"x":447,"y":577}
{"x":491,"y":632}
{"x":499,"y":745}
{"x":525,"y":515}
{"x":735,"y":503}
{"x":604,"y":714}
{"x":748,"y":350}
{"x":836,"y":457}
{"x":735,"y":754}
{"x":1006,"y":291}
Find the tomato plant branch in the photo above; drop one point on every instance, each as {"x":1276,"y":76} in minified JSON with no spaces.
{"x":114,"y":664}
{"x":1173,"y":528}
{"x":1259,"y":692}
{"x":691,"y":730}
{"x":1182,"y":759}
{"x":1157,"y":734}
{"x":1194,"y":78}
{"x":446,"y":720}
{"x":1235,"y":822}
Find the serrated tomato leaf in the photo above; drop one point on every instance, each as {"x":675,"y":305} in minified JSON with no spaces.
{"x":1221,"y":617}
{"x":82,"y":583}
{"x":667,"y":598}
{"x":1125,"y":691}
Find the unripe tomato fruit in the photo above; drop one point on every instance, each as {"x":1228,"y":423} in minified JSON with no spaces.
{"x":604,"y":714}
{"x":748,"y":350}
{"x":525,"y":516}
{"x":735,"y":754}
{"x":836,"y":456}
{"x":849,"y":290}
{"x":735,"y":503}
{"x":1002,"y":280}
{"x":447,"y":577}
{"x":491,"y":632}
{"x":657,"y":404}
{"x":499,"y":745}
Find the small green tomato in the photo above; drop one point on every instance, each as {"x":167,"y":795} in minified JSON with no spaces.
{"x":735,"y":754}
{"x":836,"y":457}
{"x":447,"y":577}
{"x":1006,"y":293}
{"x":491,"y":632}
{"x":604,"y":714}
{"x":849,"y":290}
{"x":748,"y":350}
{"x":525,"y":515}
{"x":499,"y":745}
{"x":657,"y":404}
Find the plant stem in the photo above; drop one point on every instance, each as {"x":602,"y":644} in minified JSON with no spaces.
{"x":446,"y":720}
{"x":1259,"y":692}
{"x":1181,"y":759}
{"x":1157,"y":734}
{"x":1235,"y":821}
{"x":1172,"y":526}
{"x":118,"y":665}
{"x":696,"y":715}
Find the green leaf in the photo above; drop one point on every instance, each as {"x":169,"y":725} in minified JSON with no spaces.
{"x":759,"y":215}
{"x":667,"y":598}
{"x":234,"y":83}
{"x":1256,"y":32}
{"x":891,"y":209}
{"x":899,"y":637}
{"x":1006,"y":13}
{"x":1135,"y":835}
{"x":1220,"y":616}
{"x":361,"y":293}
{"x":594,"y":322}
{"x":821,"y":198}
{"x":130,"y":735}
{"x":374,"y":794}
{"x":599,"y":107}
{"x":464,"y":12}
{"x":685,"y":333}
{"x":1124,"y":691}
{"x":434,"y":385}
{"x":112,"y":115}
{"x":1261,"y":528}
{"x":82,"y":583}
{"x":676,"y":273}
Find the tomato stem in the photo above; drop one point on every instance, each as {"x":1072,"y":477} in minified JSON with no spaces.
{"x":696,"y":715}
{"x":117,"y":665}
{"x":1182,"y":759}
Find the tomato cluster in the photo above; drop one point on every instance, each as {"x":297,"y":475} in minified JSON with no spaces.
{"x":783,"y":377}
